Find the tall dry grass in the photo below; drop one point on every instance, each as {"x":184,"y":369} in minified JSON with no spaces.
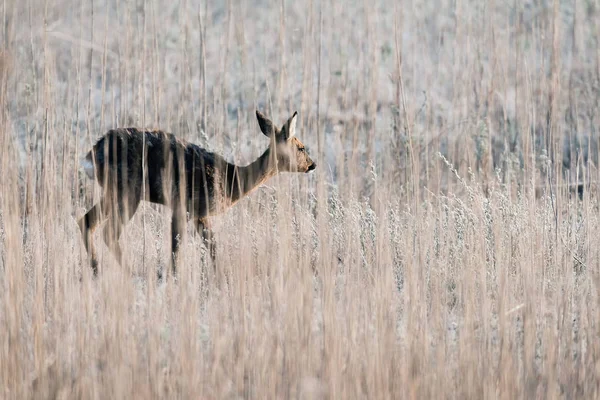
{"x":439,"y":252}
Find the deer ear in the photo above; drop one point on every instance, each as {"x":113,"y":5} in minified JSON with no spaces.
{"x":289,"y":130}
{"x":266,"y":125}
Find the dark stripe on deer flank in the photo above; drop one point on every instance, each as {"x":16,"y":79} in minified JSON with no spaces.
{"x":172,"y":165}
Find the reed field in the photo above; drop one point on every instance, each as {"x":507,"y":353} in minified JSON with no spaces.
{"x":447,"y":245}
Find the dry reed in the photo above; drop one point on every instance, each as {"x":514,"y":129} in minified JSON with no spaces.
{"x":438,"y":252}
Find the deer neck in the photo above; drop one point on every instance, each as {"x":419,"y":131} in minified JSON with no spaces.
{"x":243,"y":180}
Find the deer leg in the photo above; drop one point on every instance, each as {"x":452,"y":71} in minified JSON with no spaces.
{"x":111,"y":233}
{"x":117,"y":221}
{"x":177,"y":231}
{"x":119,"y":212}
{"x":87,"y":225}
{"x":203,"y":228}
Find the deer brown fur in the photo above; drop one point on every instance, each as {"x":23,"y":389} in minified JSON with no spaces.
{"x":192,"y":181}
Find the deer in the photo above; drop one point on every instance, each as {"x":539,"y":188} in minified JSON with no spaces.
{"x":196,"y":184}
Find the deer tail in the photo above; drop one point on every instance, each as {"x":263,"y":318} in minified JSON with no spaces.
{"x":94,"y":160}
{"x":88,"y":165}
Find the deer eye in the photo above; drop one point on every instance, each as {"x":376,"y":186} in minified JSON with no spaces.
{"x":301,"y":149}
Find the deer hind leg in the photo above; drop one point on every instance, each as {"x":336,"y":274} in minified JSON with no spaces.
{"x":203,"y":228}
{"x":87,"y":224}
{"x":119,"y":213}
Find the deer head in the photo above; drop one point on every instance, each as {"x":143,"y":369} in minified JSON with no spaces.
{"x":289,"y":152}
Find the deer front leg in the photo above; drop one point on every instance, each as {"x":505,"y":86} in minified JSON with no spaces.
{"x":203,"y":228}
{"x":177,"y":231}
